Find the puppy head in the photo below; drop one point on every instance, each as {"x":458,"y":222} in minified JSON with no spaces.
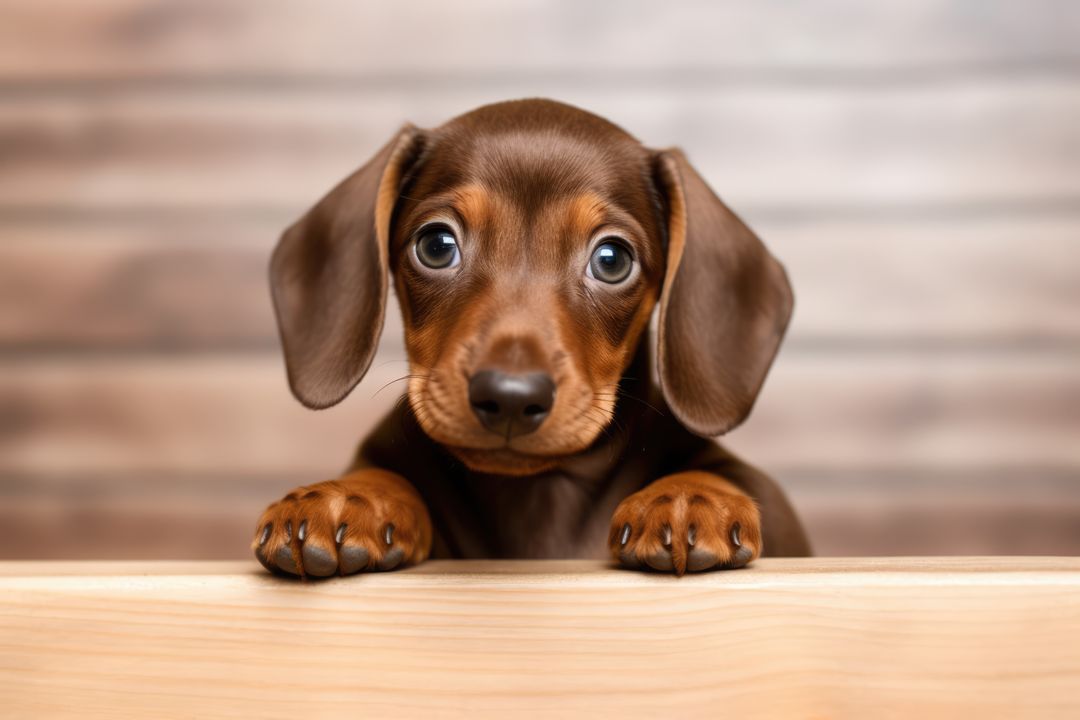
{"x":529,"y":242}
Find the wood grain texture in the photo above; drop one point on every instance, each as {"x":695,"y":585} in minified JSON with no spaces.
{"x":137,"y":285}
{"x":129,"y":39}
{"x":201,"y":284}
{"x":814,"y":149}
{"x":913,"y":164}
{"x":983,"y":637}
{"x":235,"y":414}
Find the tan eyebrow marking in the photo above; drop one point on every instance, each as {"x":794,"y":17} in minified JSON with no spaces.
{"x":473,"y":203}
{"x":586,"y":212}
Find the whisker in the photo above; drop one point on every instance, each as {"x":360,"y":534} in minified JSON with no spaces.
{"x":606,"y":429}
{"x":604,"y":421}
{"x":384,"y":363}
{"x":619,"y":394}
{"x":397,"y":380}
{"x":613,"y":420}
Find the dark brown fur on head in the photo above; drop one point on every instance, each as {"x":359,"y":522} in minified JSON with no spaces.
{"x":529,"y":188}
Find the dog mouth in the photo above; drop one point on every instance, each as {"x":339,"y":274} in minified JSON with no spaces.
{"x":524,"y":454}
{"x":512,"y":427}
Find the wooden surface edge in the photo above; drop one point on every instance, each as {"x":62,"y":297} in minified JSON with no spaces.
{"x":988,"y":637}
{"x":584,"y":571}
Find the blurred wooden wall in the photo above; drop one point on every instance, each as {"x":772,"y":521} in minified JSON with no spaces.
{"x":915,"y":164}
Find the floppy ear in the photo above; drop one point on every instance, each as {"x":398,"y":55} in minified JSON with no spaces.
{"x":724,"y":307}
{"x":328,"y":277}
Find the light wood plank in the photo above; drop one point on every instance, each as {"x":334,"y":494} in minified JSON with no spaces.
{"x":909,"y":149}
{"x":126,"y":39}
{"x":234,"y":414}
{"x":987,"y":637}
{"x":201,"y":284}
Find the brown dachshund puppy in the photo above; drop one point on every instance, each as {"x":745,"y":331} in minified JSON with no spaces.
{"x":528,"y":243}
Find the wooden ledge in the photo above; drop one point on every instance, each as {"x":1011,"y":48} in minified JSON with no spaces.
{"x":895,"y":637}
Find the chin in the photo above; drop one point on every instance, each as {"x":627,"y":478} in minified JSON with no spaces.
{"x":503,"y":461}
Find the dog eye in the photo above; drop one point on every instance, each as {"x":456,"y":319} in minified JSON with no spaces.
{"x":610,"y":262}
{"x":437,"y":248}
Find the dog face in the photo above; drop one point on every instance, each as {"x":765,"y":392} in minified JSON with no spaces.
{"x":528,"y":256}
{"x":529,"y":242}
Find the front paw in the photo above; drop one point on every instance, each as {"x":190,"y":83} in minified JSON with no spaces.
{"x":691,"y":521}
{"x":369,"y":520}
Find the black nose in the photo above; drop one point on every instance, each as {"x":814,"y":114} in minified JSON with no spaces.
{"x":511,"y":405}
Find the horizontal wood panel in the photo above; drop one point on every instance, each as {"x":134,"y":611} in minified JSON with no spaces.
{"x":987,"y":279}
{"x":986,"y":146}
{"x":191,"y":415}
{"x":151,"y":284}
{"x":1017,"y":511}
{"x":180,"y":414}
{"x":196,"y":285}
{"x":898,"y":638}
{"x":983,"y":511}
{"x":208,"y":38}
{"x":952,"y":411}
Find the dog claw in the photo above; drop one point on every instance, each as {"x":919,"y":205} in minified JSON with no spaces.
{"x":265,"y":533}
{"x":390,"y":534}
{"x":735,"y":536}
{"x":301,"y":532}
{"x":691,"y":536}
{"x":340,"y":534}
{"x":667,"y":536}
{"x":624,"y":537}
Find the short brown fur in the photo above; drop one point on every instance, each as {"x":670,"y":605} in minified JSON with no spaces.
{"x":618,"y":466}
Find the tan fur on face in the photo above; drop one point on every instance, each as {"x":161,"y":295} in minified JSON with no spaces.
{"x":517,"y":318}
{"x":472,"y":203}
{"x":584,"y":213}
{"x":520,"y":301}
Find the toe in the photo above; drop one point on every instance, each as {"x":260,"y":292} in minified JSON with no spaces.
{"x":352,"y":558}
{"x":700,"y":559}
{"x":284,"y":560}
{"x":741,"y":557}
{"x":660,"y":560}
{"x":392,"y":555}
{"x":263,"y":560}
{"x":319,"y":561}
{"x":391,"y":559}
{"x":620,"y":544}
